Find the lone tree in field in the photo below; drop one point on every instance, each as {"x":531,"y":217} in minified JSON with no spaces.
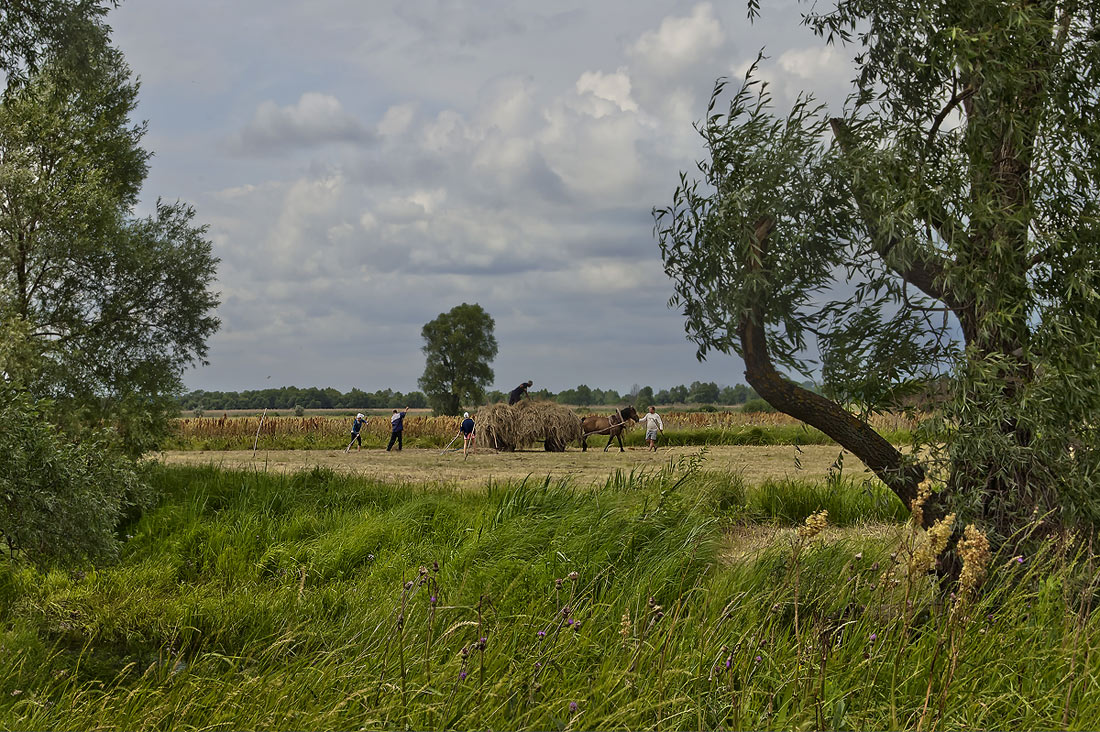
{"x":943,"y":229}
{"x":459,"y":346}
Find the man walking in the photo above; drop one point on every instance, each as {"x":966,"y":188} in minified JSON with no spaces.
{"x":356,"y":426}
{"x":519,"y":392}
{"x":467,"y":430}
{"x":653,"y":425}
{"x":397,"y":424}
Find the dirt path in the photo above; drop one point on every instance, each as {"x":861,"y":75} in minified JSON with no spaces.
{"x":420,"y":465}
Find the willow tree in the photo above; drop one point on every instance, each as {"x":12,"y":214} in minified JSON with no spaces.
{"x":941,"y":230}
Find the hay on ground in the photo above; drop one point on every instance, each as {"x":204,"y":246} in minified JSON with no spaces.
{"x":528,"y":423}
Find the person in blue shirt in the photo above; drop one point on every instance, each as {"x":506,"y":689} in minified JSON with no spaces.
{"x":467,"y":430}
{"x":397,"y":425}
{"x":356,"y":426}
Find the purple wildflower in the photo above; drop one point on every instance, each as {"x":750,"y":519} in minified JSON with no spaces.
{"x":759,"y":659}
{"x":1020,"y":559}
{"x":729,"y":662}
{"x":874,"y":636}
{"x":462,"y":675}
{"x":434,"y":599}
{"x":542,"y":634}
{"x":572,"y":707}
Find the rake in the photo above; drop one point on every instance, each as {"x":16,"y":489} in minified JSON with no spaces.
{"x":448,"y":447}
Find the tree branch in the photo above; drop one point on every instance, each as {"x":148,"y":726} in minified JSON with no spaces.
{"x":854,"y":435}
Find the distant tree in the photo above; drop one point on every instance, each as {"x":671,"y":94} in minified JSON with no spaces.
{"x":459,"y":346}
{"x":701,"y":392}
{"x":613,"y":397}
{"x":678,"y":394}
{"x":584,"y":395}
{"x":299,"y":410}
{"x":955,"y":199}
{"x":662,"y":397}
{"x":644,"y":398}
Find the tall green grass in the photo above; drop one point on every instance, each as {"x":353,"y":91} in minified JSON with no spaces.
{"x":325,"y":601}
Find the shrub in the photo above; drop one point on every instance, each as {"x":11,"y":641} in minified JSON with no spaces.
{"x":61,"y":501}
{"x":757,"y":405}
{"x":299,"y":411}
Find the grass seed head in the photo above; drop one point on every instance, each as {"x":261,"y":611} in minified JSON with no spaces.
{"x":814,"y":525}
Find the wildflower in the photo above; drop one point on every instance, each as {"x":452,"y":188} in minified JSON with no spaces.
{"x":874,"y":636}
{"x":462,"y":675}
{"x":624,"y":625}
{"x":538,"y":665}
{"x":924,"y":491}
{"x":370,"y":557}
{"x":859,"y":555}
{"x":573,"y":576}
{"x":569,"y":621}
{"x":409,"y":585}
{"x":423,"y":570}
{"x":541,"y":634}
{"x":572,"y":707}
{"x":1019,"y":559}
{"x":481,"y":643}
{"x":435,"y":566}
{"x":759,"y":659}
{"x":814,"y":525}
{"x":729,"y":662}
{"x":935,"y":541}
{"x":557,"y":583}
{"x":974,"y":550}
{"x":433,"y":599}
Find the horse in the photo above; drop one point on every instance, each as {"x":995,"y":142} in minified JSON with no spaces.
{"x":613,"y":426}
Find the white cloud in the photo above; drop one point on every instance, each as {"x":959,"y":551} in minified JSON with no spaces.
{"x":680,"y":42}
{"x":612,"y":87}
{"x":316,"y":119}
{"x":396,"y":120}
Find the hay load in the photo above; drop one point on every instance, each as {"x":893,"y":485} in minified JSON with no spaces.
{"x":528,"y":423}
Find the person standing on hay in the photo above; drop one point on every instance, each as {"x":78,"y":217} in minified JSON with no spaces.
{"x":468,"y":435}
{"x":519,"y":392}
{"x":397,"y":425}
{"x":653,"y":426}
{"x":356,"y":426}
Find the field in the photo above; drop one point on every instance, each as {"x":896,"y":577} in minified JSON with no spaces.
{"x":425,"y":465}
{"x":674,"y":593}
{"x":331,"y":432}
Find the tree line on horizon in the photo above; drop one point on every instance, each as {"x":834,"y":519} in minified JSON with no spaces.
{"x":289,"y":397}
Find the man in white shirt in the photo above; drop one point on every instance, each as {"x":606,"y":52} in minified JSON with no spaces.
{"x":653,"y":425}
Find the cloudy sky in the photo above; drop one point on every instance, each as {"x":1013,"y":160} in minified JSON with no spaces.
{"x":365,"y":166}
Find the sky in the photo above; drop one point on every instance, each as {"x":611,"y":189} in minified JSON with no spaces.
{"x":365,"y":166}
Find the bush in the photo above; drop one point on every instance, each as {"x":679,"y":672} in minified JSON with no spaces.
{"x":299,"y":411}
{"x":60,"y":501}
{"x":757,"y":405}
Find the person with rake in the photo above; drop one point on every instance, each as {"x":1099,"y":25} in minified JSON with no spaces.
{"x":356,"y":426}
{"x":519,"y":392}
{"x":468,"y":435}
{"x":397,"y":426}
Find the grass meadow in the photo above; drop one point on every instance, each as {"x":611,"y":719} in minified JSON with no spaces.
{"x":676,"y":597}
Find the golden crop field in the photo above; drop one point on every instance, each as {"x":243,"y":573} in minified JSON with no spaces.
{"x":239,"y":428}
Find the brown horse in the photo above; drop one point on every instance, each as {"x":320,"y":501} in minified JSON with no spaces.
{"x":613,"y":426}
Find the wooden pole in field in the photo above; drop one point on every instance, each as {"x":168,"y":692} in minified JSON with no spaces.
{"x":257,"y":440}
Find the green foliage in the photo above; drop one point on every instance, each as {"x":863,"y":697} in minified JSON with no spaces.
{"x":261,"y":601}
{"x":60,"y":501}
{"x":757,"y":405}
{"x":944,"y":223}
{"x":112,"y":308}
{"x":459,"y":346}
{"x":67,"y":31}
